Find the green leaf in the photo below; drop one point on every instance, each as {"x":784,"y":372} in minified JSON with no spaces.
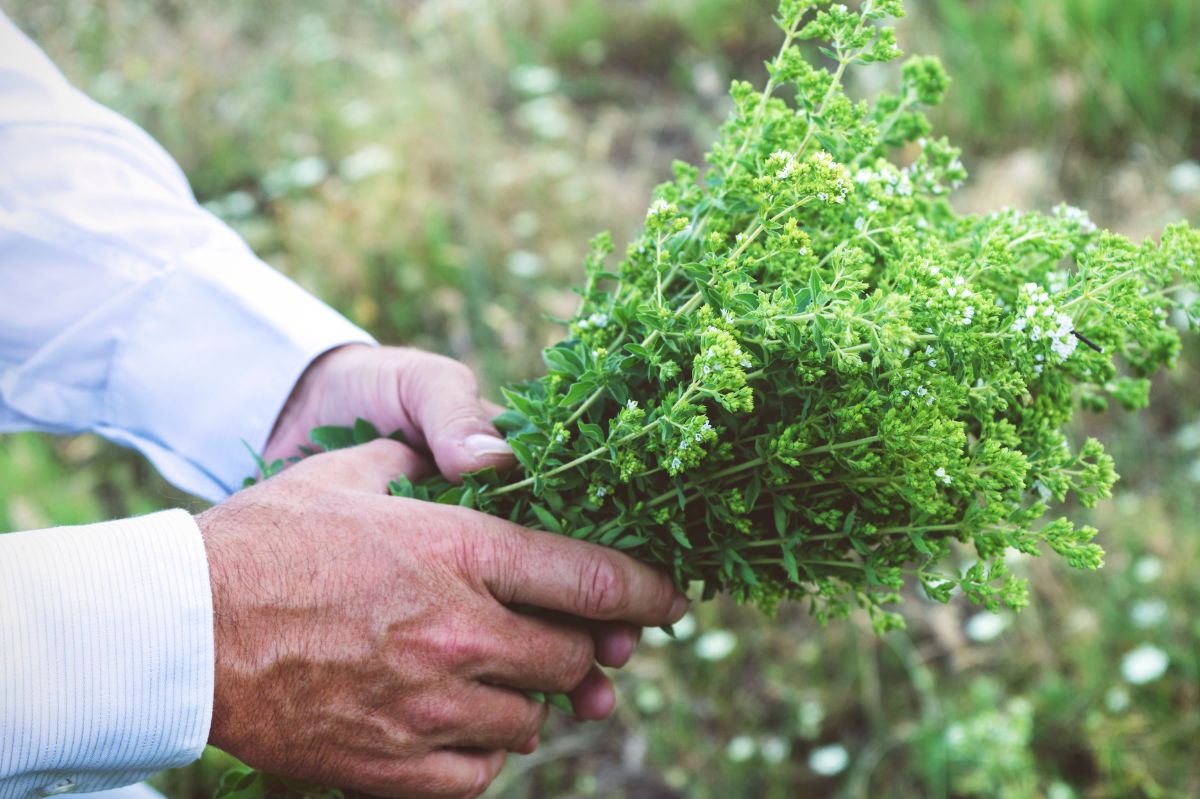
{"x":332,"y":437}
{"x":562,"y":702}
{"x":563,"y":358}
{"x":364,"y":432}
{"x":511,"y":422}
{"x":549,"y":520}
{"x":401,"y":487}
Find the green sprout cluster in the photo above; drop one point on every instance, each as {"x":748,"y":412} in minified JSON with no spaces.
{"x":810,"y":379}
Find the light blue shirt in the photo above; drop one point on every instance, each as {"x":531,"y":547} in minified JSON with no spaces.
{"x":128,"y":310}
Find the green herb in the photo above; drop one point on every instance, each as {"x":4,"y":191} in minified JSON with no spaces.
{"x":809,"y":376}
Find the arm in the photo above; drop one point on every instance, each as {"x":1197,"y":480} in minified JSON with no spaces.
{"x":125,"y":305}
{"x":163,"y":332}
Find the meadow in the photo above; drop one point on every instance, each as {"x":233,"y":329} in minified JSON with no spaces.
{"x":435,"y":169}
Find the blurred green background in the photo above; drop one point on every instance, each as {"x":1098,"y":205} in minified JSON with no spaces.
{"x":435,"y":168}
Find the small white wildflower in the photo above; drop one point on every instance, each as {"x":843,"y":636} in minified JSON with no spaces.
{"x":1019,"y":325}
{"x":922,"y":391}
{"x":1145,"y":664}
{"x":828,"y":761}
{"x":873,"y":206}
{"x":985,"y":626}
{"x":716,"y":645}
{"x":676,"y":463}
{"x":601,"y":491}
{"x":905,"y":393}
{"x":823,"y":196}
{"x":941,"y":474}
{"x":932,"y":363}
{"x":741,"y":749}
{"x":859,"y":223}
{"x":631,"y":404}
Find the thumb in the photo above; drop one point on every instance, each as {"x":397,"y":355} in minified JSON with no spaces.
{"x":443,"y":400}
{"x":367,"y":467}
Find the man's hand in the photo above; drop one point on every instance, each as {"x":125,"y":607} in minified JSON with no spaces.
{"x":433,"y":400}
{"x":368,"y":641}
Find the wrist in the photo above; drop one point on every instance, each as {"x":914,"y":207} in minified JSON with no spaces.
{"x":303,"y":404}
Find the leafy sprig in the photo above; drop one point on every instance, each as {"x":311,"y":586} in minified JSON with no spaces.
{"x":809,"y":376}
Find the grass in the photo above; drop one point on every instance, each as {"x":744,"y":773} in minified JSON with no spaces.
{"x":435,"y":170}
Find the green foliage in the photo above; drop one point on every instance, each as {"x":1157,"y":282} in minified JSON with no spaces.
{"x":808,"y":377}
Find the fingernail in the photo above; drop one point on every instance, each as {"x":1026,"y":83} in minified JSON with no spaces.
{"x":480,"y":444}
{"x":678,"y":607}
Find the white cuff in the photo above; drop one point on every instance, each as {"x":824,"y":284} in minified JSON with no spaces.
{"x":106,"y":654}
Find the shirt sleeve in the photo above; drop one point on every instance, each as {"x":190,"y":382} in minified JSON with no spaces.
{"x":106,"y":654}
{"x":125,"y":308}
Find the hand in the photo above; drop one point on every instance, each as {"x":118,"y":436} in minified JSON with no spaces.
{"x":433,"y":400}
{"x":366,"y":641}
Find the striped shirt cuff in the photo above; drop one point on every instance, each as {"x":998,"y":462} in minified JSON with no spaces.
{"x":106,"y":654}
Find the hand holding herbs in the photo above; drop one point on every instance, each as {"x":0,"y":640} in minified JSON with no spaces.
{"x":809,"y":377}
{"x":368,"y":641}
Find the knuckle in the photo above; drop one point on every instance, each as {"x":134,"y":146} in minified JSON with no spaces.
{"x":603,"y":587}
{"x":459,"y":646}
{"x":577,"y":662}
{"x":431,"y":718}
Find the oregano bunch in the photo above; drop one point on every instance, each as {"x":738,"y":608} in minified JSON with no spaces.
{"x":809,"y":376}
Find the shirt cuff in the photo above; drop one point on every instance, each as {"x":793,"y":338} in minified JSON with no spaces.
{"x":213,"y":357}
{"x":106,"y":654}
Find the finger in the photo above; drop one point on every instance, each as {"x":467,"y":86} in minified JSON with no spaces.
{"x":595,"y":697}
{"x":539,"y":654}
{"x":530,"y":746}
{"x":500,"y":718}
{"x":442,"y":397}
{"x":450,"y":773}
{"x":367,"y":467}
{"x":558,"y":573}
{"x":491,"y":409}
{"x":615,"y":642}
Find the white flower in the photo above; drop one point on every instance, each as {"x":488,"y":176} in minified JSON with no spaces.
{"x":941,"y":473}
{"x":929,"y":350}
{"x":1145,"y":664}
{"x":922,"y":391}
{"x":1019,"y":325}
{"x":741,"y":749}
{"x":829,"y":760}
{"x":601,"y":491}
{"x":716,"y":645}
{"x":985,"y":626}
{"x":676,"y":463}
